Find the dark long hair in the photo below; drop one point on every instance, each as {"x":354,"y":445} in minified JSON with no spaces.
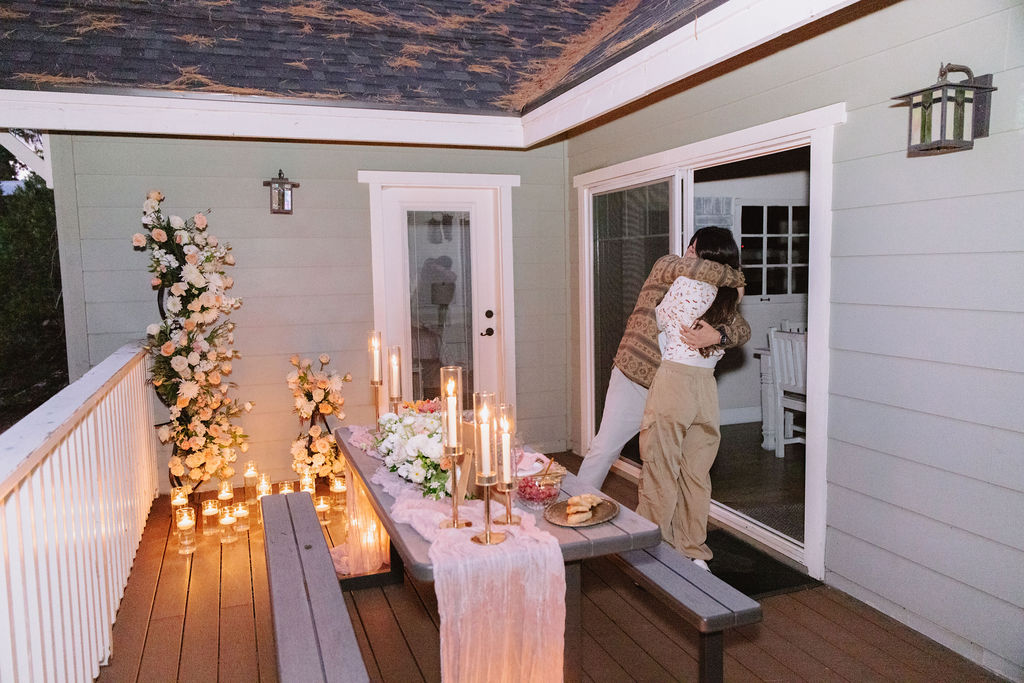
{"x":717,"y":244}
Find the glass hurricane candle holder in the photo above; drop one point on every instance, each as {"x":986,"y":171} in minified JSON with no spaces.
{"x":241,"y":513}
{"x":185,"y":522}
{"x":225,"y":492}
{"x":507,"y":465}
{"x":179,"y":497}
{"x":227,"y":522}
{"x":286,"y":487}
{"x":211,"y":513}
{"x":308,"y":483}
{"x":395,"y":377}
{"x":322,"y":504}
{"x":251,"y":476}
{"x":338,"y":489}
{"x":484,"y":414}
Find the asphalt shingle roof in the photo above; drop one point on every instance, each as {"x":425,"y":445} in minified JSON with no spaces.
{"x":466,"y":56}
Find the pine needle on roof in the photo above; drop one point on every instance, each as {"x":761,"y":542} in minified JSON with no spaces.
{"x":301,"y":64}
{"x":193,"y":39}
{"x":10,"y":14}
{"x":403,"y":62}
{"x":57,"y":79}
{"x":87,"y":22}
{"x":481,"y":69}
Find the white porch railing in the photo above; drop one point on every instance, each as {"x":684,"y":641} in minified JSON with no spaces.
{"x":77,"y":478}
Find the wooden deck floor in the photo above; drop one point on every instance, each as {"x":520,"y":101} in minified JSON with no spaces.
{"x":207,"y":618}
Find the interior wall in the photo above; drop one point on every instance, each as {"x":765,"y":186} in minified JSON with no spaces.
{"x":304,"y":278}
{"x":925,"y":485}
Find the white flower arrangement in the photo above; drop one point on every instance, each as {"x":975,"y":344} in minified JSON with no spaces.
{"x":317,"y":394}
{"x":411,"y":445}
{"x":191,"y":354}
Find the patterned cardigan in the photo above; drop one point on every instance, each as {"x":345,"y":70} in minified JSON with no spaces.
{"x":638,"y":356}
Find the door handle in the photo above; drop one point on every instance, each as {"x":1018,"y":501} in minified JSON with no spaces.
{"x":488,"y":332}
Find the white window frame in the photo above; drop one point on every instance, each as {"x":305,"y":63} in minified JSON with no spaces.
{"x":814,"y":129}
{"x":738,"y":205}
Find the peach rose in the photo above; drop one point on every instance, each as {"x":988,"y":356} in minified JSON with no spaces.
{"x":326,"y":408}
{"x":155,"y":282}
{"x":192,"y":258}
{"x":138,"y":240}
{"x":213,"y":378}
{"x":229,"y":259}
{"x":182,"y":402}
{"x":200,"y":221}
{"x":324,"y":359}
{"x":159,"y":235}
{"x":155,"y":195}
{"x":167,"y":349}
{"x":189,"y":324}
{"x":179,"y":288}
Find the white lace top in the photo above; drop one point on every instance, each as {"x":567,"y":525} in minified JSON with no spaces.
{"x":685,"y":301}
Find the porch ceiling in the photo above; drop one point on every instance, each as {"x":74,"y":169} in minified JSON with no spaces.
{"x":478,"y":57}
{"x":498,"y":73}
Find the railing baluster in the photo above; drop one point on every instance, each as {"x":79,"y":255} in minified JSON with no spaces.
{"x":8,"y":645}
{"x":77,"y":481}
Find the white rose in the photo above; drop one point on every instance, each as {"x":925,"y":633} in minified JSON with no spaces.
{"x":177,"y":223}
{"x":194,"y":358}
{"x":150,"y":205}
{"x":417,"y":444}
{"x":164,"y":434}
{"x":416,"y":473}
{"x":179,"y":363}
{"x":153,"y":330}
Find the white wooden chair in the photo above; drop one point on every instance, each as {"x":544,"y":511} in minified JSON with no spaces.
{"x":789,"y":371}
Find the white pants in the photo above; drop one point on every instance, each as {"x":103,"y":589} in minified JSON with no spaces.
{"x":623,"y":411}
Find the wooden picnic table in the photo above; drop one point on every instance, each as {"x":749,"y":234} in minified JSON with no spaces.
{"x":627,"y":531}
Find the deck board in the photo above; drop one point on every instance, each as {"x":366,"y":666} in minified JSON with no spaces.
{"x":211,"y":613}
{"x":201,"y":637}
{"x":133,"y":614}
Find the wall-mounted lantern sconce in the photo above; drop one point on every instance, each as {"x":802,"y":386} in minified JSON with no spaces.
{"x":947,"y":117}
{"x":280,"y":193}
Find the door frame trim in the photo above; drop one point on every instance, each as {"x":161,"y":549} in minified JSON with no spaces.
{"x":814,"y":128}
{"x":501,"y":186}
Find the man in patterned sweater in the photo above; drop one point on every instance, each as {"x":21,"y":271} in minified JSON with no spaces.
{"x":639,"y":356}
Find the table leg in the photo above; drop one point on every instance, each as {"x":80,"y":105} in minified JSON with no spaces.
{"x":710,"y":662}
{"x":572,"y":665}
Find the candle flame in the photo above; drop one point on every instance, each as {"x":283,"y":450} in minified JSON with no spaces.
{"x":374,"y":343}
{"x":484,"y":414}
{"x":450,"y":387}
{"x":504,"y":425}
{"x":394,"y":360}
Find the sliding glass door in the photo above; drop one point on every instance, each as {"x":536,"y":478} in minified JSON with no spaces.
{"x":631,"y":232}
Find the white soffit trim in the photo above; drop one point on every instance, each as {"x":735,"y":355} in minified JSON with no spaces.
{"x":724,"y":32}
{"x":194,"y":116}
{"x":429,"y":179}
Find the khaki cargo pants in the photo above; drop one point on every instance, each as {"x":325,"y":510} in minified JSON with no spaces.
{"x":679,"y":438}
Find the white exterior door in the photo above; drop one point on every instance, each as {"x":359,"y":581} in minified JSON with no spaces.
{"x":442,"y":276}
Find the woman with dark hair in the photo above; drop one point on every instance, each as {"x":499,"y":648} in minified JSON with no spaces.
{"x":679,"y":434}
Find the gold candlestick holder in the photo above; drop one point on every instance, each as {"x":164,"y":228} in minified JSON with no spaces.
{"x":488,"y":537}
{"x":451,"y":420}
{"x":509,"y":519}
{"x":455,"y":522}
{"x":376,"y":402}
{"x":486,"y":475}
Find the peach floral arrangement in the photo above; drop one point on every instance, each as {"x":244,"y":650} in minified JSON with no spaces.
{"x":317,"y":394}
{"x":191,"y":346}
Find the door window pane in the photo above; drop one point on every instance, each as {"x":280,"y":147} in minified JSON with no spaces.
{"x":631,"y":229}
{"x":440,"y":299}
{"x":752,"y":220}
{"x":778,"y":220}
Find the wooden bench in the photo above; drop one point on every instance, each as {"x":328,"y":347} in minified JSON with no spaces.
{"x":703,"y":600}
{"x":315,"y":639}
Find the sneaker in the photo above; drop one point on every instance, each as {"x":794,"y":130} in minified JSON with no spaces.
{"x":701,"y":563}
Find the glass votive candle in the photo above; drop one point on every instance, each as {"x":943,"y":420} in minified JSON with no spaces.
{"x":263,"y":490}
{"x":211,"y":511}
{"x":227,"y":525}
{"x":338,"y":489}
{"x":286,"y":487}
{"x":308,"y":483}
{"x":241,"y":513}
{"x":251,"y":477}
{"x":225,"y":492}
{"x":179,"y":497}
{"x":185,"y":521}
{"x":323,"y":506}
{"x":264,"y":478}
